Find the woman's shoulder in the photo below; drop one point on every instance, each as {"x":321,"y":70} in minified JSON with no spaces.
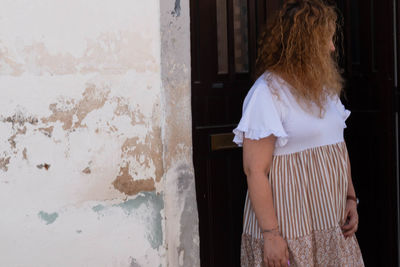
{"x":266,"y":83}
{"x":269,"y":85}
{"x":262,"y":115}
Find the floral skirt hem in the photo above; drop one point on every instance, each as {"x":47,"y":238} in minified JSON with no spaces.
{"x":327,"y":248}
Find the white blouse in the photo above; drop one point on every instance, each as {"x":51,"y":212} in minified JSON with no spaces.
{"x":265,"y":113}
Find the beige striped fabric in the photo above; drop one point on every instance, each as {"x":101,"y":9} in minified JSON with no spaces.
{"x":309,"y":191}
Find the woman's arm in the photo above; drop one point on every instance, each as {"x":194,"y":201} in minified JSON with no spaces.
{"x":350,"y":189}
{"x":257,"y":159}
{"x":350,"y":225}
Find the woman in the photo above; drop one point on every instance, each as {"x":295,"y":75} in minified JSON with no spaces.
{"x":301,"y":205}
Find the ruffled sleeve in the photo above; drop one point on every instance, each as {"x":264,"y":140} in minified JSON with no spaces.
{"x":344,"y":113}
{"x":260,"y":117}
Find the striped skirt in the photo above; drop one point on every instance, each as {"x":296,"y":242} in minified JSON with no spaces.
{"x":309,"y":192}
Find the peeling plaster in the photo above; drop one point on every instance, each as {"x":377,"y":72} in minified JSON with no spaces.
{"x":24,"y":154}
{"x":45,"y":165}
{"x":86,"y":170}
{"x":4,"y":163}
{"x":88,"y":106}
{"x":123,"y":108}
{"x":108,"y":53}
{"x":20,"y":119}
{"x":127,"y":185}
{"x":11,"y":140}
{"x":49,"y":218}
{"x":92,"y":99}
{"x":47,"y":131}
{"x":148,"y":153}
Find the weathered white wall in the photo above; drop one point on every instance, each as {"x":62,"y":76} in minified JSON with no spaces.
{"x":86,"y":172}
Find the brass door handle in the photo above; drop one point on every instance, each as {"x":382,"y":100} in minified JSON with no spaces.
{"x":222,"y":141}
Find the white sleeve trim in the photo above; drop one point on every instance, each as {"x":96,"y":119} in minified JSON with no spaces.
{"x":260,"y":117}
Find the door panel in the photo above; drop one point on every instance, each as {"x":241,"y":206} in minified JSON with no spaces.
{"x":224,"y":36}
{"x":370,"y":136}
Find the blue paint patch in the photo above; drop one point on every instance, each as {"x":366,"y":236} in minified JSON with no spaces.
{"x":49,"y":218}
{"x":154,"y":203}
{"x":98,"y":208}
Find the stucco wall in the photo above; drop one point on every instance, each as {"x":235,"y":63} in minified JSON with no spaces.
{"x":88,"y":169}
{"x":180,"y":198}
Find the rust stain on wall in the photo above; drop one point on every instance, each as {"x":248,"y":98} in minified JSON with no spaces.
{"x":4,"y":163}
{"x":92,"y":99}
{"x":125,"y":183}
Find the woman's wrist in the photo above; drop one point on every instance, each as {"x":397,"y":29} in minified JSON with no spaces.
{"x":274,"y":230}
{"x":353,"y":197}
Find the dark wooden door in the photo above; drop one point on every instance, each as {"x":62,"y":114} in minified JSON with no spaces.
{"x":369,"y":63}
{"x":223,"y":38}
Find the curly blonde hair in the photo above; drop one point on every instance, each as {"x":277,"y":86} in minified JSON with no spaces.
{"x":295,"y":46}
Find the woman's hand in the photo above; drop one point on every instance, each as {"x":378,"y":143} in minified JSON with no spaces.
{"x":351,"y":219}
{"x":276,"y":252}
